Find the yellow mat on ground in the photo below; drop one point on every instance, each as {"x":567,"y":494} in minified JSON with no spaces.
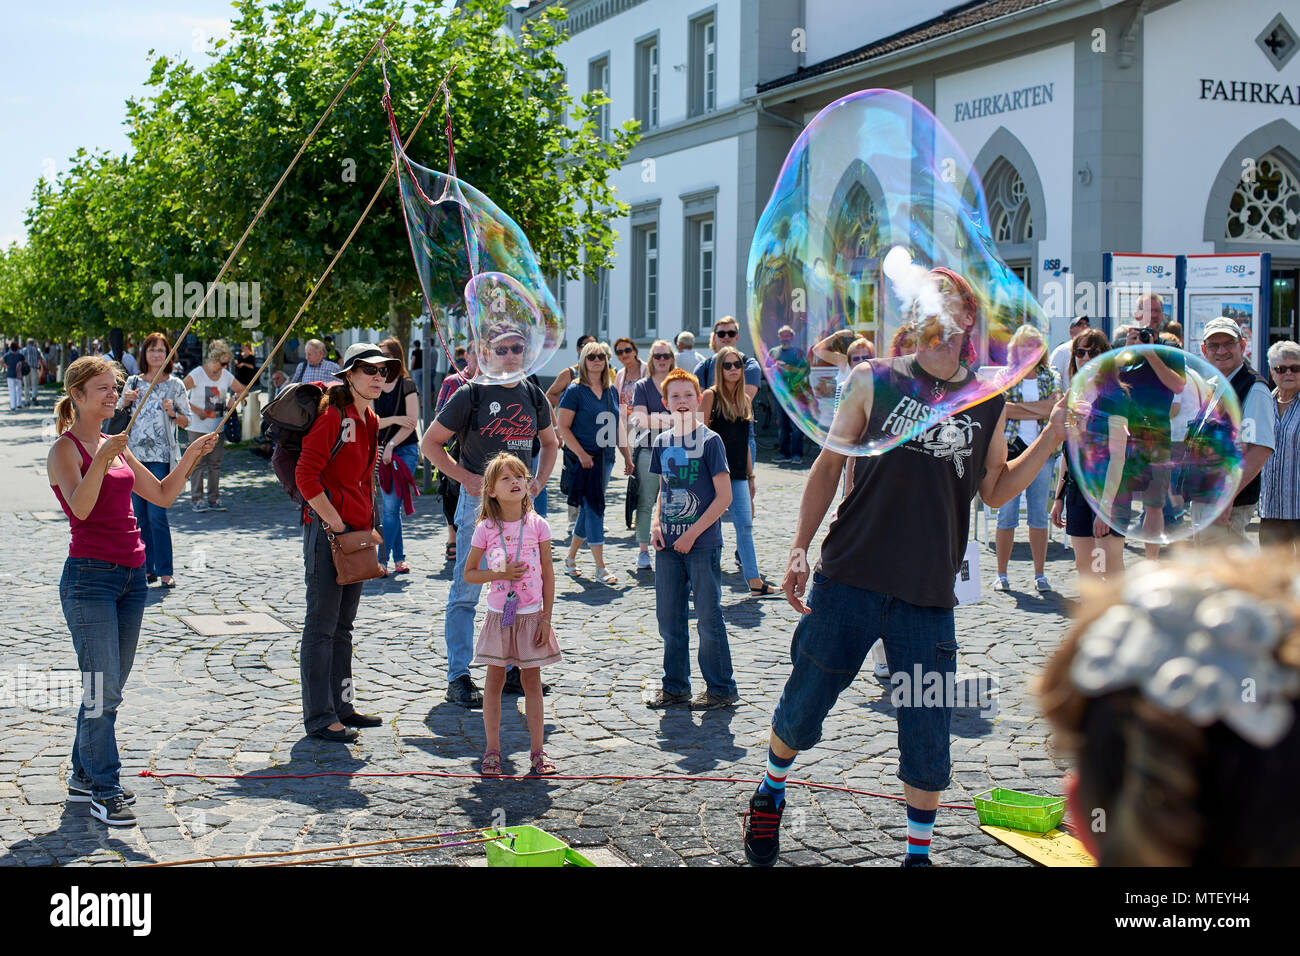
{"x":1052,"y":848}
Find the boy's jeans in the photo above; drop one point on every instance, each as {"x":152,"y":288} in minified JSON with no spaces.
{"x":458,"y":624}
{"x":676,"y":576}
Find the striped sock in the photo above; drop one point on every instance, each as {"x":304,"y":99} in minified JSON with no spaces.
{"x":774,"y":779}
{"x":920,"y":824}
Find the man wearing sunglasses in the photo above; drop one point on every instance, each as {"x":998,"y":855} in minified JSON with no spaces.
{"x":726,"y":331}
{"x":485,"y":419}
{"x":1060,"y":359}
{"x":1224,"y":346}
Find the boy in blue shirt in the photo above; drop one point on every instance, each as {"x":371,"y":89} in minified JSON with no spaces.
{"x":694,"y":492}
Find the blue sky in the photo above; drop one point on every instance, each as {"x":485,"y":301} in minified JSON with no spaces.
{"x":67,"y":68}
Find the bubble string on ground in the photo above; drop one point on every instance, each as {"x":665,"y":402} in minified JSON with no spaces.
{"x":674,"y":778}
{"x":216,"y":283}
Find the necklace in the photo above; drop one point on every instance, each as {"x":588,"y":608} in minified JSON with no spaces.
{"x":937,"y":385}
{"x":1287,"y":402}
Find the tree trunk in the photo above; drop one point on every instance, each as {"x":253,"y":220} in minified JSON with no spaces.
{"x":399,"y":323}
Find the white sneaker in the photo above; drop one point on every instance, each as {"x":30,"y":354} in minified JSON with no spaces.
{"x":881,"y":663}
{"x":1002,"y":584}
{"x":642,"y":560}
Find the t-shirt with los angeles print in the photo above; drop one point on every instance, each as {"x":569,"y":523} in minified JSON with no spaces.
{"x":507,"y":421}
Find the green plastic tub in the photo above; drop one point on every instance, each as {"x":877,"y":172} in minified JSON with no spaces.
{"x":525,"y":846}
{"x":1000,"y":807}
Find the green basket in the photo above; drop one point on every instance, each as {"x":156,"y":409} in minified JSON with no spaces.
{"x":1000,"y":807}
{"x":525,"y":846}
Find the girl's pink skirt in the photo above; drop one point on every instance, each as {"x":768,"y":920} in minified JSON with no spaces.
{"x":506,"y":646}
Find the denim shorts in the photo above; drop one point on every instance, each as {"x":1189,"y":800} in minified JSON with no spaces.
{"x":828,"y":650}
{"x":1035,"y":502}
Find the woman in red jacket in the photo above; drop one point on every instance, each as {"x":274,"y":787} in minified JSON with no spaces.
{"x":339,"y":492}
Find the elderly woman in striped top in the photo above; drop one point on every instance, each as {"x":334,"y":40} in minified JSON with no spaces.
{"x":1279,"y":492}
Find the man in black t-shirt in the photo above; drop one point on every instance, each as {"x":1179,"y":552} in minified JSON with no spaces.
{"x":891,"y":556}
{"x":509,"y":419}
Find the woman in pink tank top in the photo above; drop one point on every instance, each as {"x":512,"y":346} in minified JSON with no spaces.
{"x":103,"y":587}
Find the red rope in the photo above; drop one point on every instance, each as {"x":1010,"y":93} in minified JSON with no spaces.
{"x":476,"y":776}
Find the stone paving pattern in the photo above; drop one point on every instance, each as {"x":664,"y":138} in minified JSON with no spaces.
{"x":231,"y":705}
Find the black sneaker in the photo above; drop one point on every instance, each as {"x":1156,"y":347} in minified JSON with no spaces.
{"x":763,"y":829}
{"x":464,"y":692}
{"x":114,"y":811}
{"x":916,"y":859}
{"x":79,"y":792}
{"x":515,"y":684}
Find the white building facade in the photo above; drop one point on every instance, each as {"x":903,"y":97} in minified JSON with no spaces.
{"x":1095,"y":126}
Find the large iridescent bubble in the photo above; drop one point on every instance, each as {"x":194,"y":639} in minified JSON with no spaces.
{"x":478,"y":272}
{"x":1154,"y":441}
{"x":876,"y":236}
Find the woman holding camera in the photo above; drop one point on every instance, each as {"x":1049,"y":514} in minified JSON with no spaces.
{"x":208,"y":385}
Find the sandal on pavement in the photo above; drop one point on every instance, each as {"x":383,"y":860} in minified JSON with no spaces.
{"x":451,"y":551}
{"x":491,"y":766}
{"x":542,"y":765}
{"x":606,"y":575}
{"x":571,"y":568}
{"x":765,"y":590}
{"x":401,"y":567}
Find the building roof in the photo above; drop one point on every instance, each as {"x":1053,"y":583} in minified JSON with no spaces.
{"x":950,"y":21}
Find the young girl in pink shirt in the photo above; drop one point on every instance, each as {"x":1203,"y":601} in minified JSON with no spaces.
{"x":521,"y":590}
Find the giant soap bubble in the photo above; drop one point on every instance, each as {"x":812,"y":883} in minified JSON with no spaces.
{"x":478,"y":272}
{"x":1156,"y":460}
{"x":877,"y":230}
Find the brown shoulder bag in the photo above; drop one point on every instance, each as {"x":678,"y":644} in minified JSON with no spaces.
{"x":356,"y":555}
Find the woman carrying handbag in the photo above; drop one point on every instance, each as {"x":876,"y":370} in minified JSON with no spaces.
{"x":336,"y":474}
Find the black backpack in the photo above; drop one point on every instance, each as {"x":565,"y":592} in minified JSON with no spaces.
{"x":286,"y":421}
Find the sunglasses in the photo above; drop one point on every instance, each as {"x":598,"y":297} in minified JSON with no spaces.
{"x":624,"y":351}
{"x":1084,"y":353}
{"x":727,"y":333}
{"x":595,"y":358}
{"x":662,"y":355}
{"x":386,"y":371}
{"x":1286,"y":368}
{"x":733,"y":365}
{"x":509,"y":350}
{"x":857,"y":359}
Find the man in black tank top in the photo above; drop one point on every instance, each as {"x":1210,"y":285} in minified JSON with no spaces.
{"x":890,"y":559}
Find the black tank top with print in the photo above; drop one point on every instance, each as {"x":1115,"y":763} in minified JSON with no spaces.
{"x":902,"y":530}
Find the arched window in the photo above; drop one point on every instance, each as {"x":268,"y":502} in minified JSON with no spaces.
{"x":1265,"y":206}
{"x":1009,"y":209}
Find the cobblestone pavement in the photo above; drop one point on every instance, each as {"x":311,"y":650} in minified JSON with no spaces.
{"x":231,"y":705}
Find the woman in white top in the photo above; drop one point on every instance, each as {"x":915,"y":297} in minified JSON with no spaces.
{"x":208,"y":385}
{"x":1029,"y":403}
{"x":154,"y":443}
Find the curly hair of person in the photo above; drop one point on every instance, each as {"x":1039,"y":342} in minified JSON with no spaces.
{"x":1155,"y":789}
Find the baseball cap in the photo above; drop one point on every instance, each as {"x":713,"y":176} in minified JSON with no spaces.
{"x":1222,"y":325}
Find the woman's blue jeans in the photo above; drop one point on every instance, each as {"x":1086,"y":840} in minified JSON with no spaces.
{"x":590,"y":526}
{"x":741,"y":514}
{"x":154,"y":528}
{"x":103,"y":604}
{"x":392,"y":516}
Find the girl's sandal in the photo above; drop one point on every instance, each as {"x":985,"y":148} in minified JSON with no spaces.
{"x":491,"y":766}
{"x":606,"y":575}
{"x":542,"y":765}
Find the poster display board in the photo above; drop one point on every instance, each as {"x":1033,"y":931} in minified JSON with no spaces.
{"x":1129,"y":276}
{"x":1235,"y":286}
